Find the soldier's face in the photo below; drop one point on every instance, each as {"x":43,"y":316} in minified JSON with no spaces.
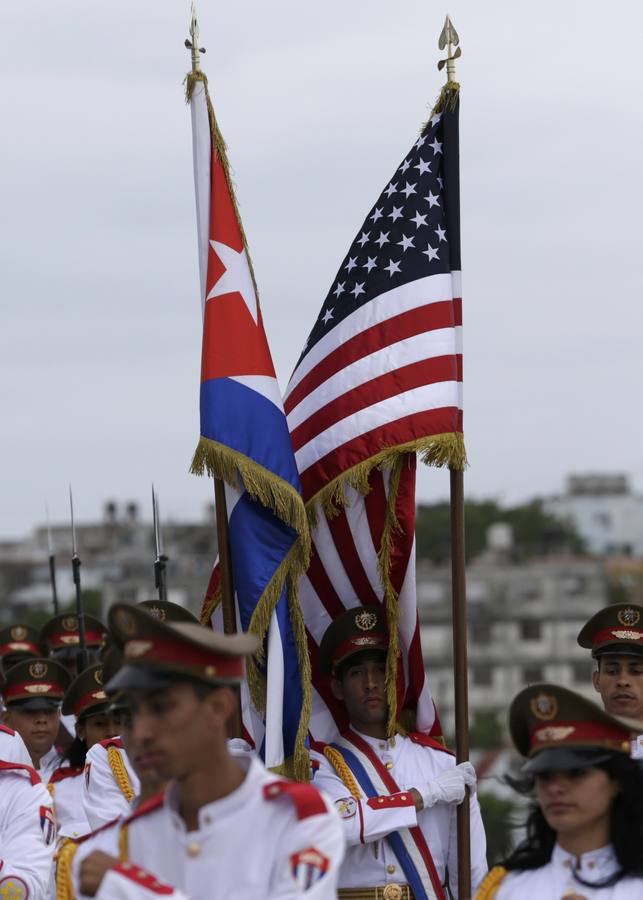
{"x":576,"y":801}
{"x":173,"y":729}
{"x":37,"y":727}
{"x":362,"y":689}
{"x":94,"y":729}
{"x":619,"y":681}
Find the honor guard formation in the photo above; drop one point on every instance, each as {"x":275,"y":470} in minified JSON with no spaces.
{"x":123,"y":781}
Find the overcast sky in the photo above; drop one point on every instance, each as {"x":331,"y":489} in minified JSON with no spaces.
{"x":100,"y":331}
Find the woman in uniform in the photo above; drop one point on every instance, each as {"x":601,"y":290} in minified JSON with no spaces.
{"x":585,"y":831}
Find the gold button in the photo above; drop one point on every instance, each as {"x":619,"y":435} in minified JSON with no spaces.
{"x":380,"y":800}
{"x":390,"y":869}
{"x":273,"y":789}
{"x":193,"y":849}
{"x":389,"y":765}
{"x":403,"y":797}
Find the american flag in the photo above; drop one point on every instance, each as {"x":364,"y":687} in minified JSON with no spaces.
{"x":380,"y":378}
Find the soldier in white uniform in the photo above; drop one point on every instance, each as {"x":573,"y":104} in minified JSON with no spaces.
{"x":12,"y":747}
{"x":86,"y":700}
{"x":18,"y":642}
{"x":585,"y":832}
{"x":396,"y":795}
{"x":225,"y":827}
{"x":27,"y":834}
{"x":32,"y":691}
{"x":615,"y":637}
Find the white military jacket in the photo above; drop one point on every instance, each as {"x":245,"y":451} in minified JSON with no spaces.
{"x":270,"y":839}
{"x":556,"y":879}
{"x":369,"y":859}
{"x":66,"y":788}
{"x":12,"y":747}
{"x":104,"y":798}
{"x":27,"y":833}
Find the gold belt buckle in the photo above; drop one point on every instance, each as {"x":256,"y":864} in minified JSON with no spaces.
{"x":392,"y":892}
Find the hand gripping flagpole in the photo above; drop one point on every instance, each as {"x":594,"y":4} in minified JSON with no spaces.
{"x":52,"y":563}
{"x":449,"y":39}
{"x":160,"y":581}
{"x":80,"y":614}
{"x":221,"y":512}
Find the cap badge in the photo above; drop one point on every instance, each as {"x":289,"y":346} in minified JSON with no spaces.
{"x":134,"y":649}
{"x":18,"y":633}
{"x":544,"y":706}
{"x":70,"y":623}
{"x":628,"y":616}
{"x":366,"y":621}
{"x":126,"y":622}
{"x":38,"y":688}
{"x":554,"y":732}
{"x":38,"y":669}
{"x":98,"y":676}
{"x":627,"y":635}
{"x":157,"y":612}
{"x":99,"y":695}
{"x":363,"y":641}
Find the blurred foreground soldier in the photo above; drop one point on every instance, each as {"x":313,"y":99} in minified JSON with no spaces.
{"x":18,"y":642}
{"x":585,"y":831}
{"x":225,"y":827}
{"x":86,"y":700}
{"x":32,"y":692}
{"x":27,"y":834}
{"x":12,"y":747}
{"x":111,"y":781}
{"x":615,"y":637}
{"x":397,"y":796}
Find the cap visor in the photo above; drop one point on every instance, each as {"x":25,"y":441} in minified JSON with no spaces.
{"x":138,"y":678}
{"x":560,"y":758}
{"x":36,"y":703}
{"x":618,"y":650}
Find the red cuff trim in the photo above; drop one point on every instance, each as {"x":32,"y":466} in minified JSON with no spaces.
{"x":140,"y":876}
{"x":307,"y":799}
{"x":392,"y":801}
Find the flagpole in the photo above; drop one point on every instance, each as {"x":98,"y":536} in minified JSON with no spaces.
{"x":449,"y":39}
{"x":235,"y":727}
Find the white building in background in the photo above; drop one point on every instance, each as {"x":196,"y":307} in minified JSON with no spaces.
{"x":605,"y":512}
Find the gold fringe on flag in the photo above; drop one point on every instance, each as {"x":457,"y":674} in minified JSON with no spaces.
{"x":447,"y":101}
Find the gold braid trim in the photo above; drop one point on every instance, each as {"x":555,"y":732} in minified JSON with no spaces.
{"x":123,"y":844}
{"x":64,"y":881}
{"x":391,"y":597}
{"x":491,"y":883}
{"x":340,"y":765}
{"x":117,"y":766}
{"x":50,"y":788}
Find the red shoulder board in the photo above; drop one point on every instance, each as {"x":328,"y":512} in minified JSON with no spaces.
{"x":112,"y":742}
{"x":425,"y":741}
{"x":144,"y":879}
{"x":34,"y":777}
{"x":317,"y":746}
{"x":307,"y":799}
{"x":149,"y":806}
{"x":6,"y":730}
{"x":66,"y":772}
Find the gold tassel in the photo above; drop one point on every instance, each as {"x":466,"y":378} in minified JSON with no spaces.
{"x":209,"y":606}
{"x":117,"y":766}
{"x":491,"y":883}
{"x":64,"y":881}
{"x":340,"y":765}
{"x":391,"y":604}
{"x":447,"y":100}
{"x":301,"y":758}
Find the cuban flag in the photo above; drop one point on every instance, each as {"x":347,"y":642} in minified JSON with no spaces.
{"x":245,"y":442}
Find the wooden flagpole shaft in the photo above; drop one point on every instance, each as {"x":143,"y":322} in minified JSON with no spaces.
{"x":227,"y":586}
{"x":458,"y":592}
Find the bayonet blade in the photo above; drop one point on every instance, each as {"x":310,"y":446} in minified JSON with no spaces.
{"x":50,"y":543}
{"x":157,"y":540}
{"x":73,"y":526}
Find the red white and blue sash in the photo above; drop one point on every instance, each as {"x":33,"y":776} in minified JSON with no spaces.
{"x":408,"y":844}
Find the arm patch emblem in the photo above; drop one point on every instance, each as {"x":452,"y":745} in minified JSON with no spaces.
{"x":346,"y":807}
{"x":308,"y":867}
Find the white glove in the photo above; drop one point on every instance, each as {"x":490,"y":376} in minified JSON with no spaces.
{"x":449,"y":786}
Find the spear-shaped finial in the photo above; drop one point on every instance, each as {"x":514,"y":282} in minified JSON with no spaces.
{"x":449,"y":38}
{"x":192,"y":43}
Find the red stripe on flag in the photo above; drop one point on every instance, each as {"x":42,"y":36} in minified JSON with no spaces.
{"x":415,"y":426}
{"x":323,"y":586}
{"x":375,"y":504}
{"x":343,"y":539}
{"x":390,"y":384}
{"x":414,"y":321}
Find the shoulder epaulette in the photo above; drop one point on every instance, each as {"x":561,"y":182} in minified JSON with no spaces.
{"x":307,"y":799}
{"x":112,"y":742}
{"x":425,"y":741}
{"x":66,"y":772}
{"x":20,"y":767}
{"x":147,"y":807}
{"x":6,"y":730}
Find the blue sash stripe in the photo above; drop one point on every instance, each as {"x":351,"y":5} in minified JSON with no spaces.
{"x":395,"y":841}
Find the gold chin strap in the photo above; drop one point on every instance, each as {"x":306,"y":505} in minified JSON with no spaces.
{"x":338,"y":762}
{"x":117,"y":766}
